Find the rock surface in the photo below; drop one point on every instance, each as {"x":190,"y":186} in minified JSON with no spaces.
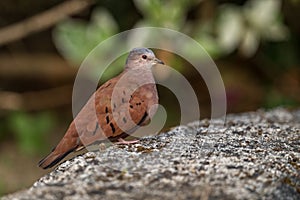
{"x":255,"y":155}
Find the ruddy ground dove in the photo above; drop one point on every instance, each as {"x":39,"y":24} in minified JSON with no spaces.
{"x":116,"y":109}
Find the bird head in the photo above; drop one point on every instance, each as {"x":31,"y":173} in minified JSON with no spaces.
{"x":142,"y":57}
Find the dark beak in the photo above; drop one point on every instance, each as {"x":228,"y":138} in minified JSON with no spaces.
{"x":156,"y":60}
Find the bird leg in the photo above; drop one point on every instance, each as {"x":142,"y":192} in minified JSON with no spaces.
{"x":122,"y":141}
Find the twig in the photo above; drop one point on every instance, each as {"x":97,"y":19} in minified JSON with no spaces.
{"x":38,"y":67}
{"x":43,"y":20}
{"x":37,"y":100}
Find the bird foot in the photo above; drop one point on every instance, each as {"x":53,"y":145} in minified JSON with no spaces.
{"x":121,"y":141}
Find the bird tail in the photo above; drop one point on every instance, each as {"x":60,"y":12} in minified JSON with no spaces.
{"x":53,"y":158}
{"x":68,"y":144}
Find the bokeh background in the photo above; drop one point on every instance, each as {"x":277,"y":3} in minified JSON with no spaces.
{"x":255,"y":44}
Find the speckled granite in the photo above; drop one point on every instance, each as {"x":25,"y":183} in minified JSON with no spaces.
{"x":255,"y":155}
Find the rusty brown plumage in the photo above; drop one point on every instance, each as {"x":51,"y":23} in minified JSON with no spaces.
{"x":118,"y":107}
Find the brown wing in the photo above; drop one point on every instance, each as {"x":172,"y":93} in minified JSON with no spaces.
{"x":127,"y":110}
{"x":101,"y":118}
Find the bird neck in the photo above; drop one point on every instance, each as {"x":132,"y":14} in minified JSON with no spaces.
{"x":141,"y":72}
{"x":139,"y":76}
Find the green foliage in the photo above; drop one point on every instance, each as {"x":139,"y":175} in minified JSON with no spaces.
{"x":275,"y":99}
{"x":284,"y":54}
{"x":235,"y":27}
{"x":75,"y":39}
{"x":2,"y":188}
{"x":204,"y":35}
{"x":228,"y":29}
{"x":244,"y":27}
{"x":154,"y":12}
{"x":295,"y":1}
{"x":3,"y":129}
{"x":30,"y":130}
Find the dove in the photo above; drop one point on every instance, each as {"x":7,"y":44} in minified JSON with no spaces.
{"x":117,"y":108}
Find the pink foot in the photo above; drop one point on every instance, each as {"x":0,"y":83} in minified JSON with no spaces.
{"x":121,"y":141}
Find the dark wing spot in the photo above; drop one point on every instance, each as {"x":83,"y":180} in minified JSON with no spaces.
{"x":124,"y":92}
{"x":106,"y":109}
{"x":143,"y":118}
{"x":107,"y":119}
{"x":112,"y":127}
{"x":115,"y":106}
{"x":123,"y":100}
{"x":124,"y":120}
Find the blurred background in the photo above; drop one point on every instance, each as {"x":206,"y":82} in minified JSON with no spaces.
{"x":255,"y":44}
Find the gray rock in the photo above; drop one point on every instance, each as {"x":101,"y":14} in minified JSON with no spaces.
{"x":255,"y":155}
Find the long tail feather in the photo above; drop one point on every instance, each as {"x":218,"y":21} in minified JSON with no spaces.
{"x":53,"y":158}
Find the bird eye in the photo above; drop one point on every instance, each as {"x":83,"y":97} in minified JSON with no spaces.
{"x":144,"y":56}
